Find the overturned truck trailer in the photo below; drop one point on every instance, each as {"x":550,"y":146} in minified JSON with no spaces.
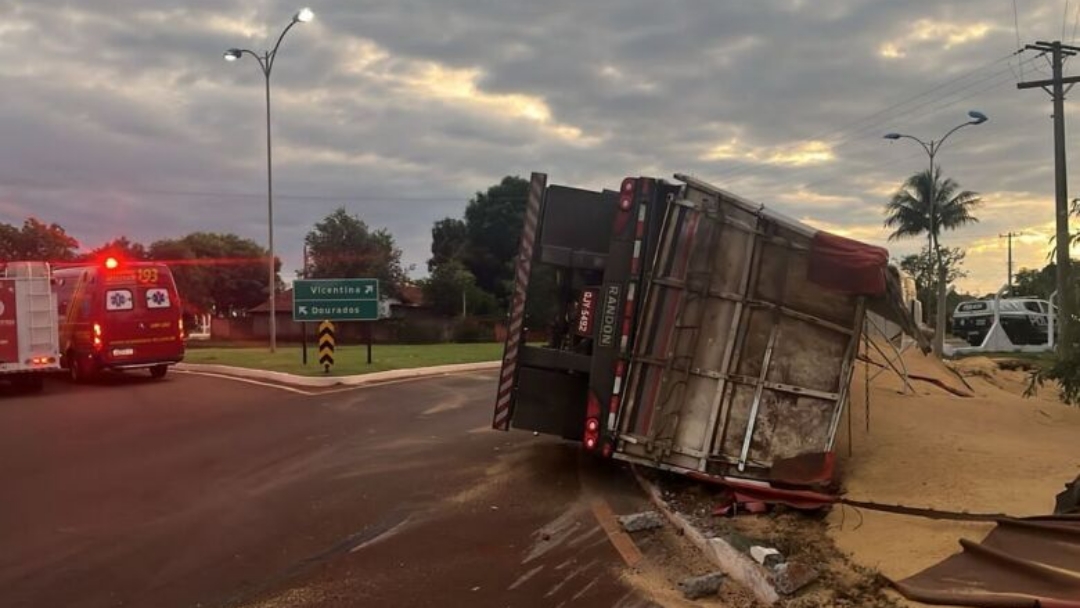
{"x":688,"y":329}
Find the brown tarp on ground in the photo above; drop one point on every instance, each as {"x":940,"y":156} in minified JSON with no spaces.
{"x":1022,"y":563}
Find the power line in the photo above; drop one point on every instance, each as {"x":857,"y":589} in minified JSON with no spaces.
{"x":853,"y":129}
{"x":831,"y":132}
{"x":1016,"y":25}
{"x":1076,"y":20}
{"x":1064,"y":19}
{"x":913,"y":155}
{"x":742,"y":172}
{"x":1019,"y":45}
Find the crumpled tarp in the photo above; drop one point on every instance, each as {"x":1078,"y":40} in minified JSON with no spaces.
{"x":846,"y":265}
{"x":1022,"y":563}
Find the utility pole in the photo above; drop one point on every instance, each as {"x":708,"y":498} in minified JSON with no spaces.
{"x":1055,"y":86}
{"x":1010,"y":237}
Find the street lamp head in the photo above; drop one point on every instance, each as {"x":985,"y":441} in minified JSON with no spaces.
{"x":233,"y":54}
{"x":977,"y":118}
{"x":304,"y":15}
{"x":892,"y":136}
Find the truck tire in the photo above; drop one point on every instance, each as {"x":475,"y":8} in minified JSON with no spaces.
{"x":158,"y":371}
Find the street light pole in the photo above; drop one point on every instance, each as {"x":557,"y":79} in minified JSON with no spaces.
{"x":266,"y":65}
{"x":934,"y":242}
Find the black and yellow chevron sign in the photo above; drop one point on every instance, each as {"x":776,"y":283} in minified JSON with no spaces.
{"x":326,"y":345}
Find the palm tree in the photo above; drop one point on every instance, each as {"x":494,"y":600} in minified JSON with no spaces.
{"x":910,"y":214}
{"x":909,"y":211}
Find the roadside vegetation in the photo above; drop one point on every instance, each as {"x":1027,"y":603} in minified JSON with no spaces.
{"x":349,"y":360}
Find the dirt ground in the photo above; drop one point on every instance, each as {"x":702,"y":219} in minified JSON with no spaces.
{"x":991,"y":452}
{"x":797,"y":535}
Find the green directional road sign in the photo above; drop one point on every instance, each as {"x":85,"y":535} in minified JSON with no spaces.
{"x":336,"y":300}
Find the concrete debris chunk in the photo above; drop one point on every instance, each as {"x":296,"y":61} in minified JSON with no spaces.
{"x":646,"y":520}
{"x":766,"y":556}
{"x":791,"y":576}
{"x":701,"y":586}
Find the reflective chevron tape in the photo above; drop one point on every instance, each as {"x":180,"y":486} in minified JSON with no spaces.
{"x":504,"y":398}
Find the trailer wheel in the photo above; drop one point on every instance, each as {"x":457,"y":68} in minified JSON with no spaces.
{"x":158,"y":371}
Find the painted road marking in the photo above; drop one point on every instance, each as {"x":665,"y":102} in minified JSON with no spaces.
{"x":245,"y":380}
{"x":317,"y":393}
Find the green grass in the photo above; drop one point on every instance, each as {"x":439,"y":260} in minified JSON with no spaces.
{"x":349,"y":360}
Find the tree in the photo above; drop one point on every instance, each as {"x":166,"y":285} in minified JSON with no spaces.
{"x":449,"y":237}
{"x":10,"y":242}
{"x":910,"y":213}
{"x":449,"y":283}
{"x":921,"y":267}
{"x":120,"y":248}
{"x":493,"y":222}
{"x":485,"y":243}
{"x":37,"y":241}
{"x":1036,"y":283}
{"x":342,"y":246}
{"x":220,"y":273}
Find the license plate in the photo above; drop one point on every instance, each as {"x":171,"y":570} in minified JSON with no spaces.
{"x":587,"y":311}
{"x":980,"y":322}
{"x":123,"y":352}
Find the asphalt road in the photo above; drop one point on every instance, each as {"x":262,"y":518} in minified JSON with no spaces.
{"x":200,"y":491}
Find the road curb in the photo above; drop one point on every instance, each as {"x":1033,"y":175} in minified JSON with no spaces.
{"x":716,"y":550}
{"x":357,"y":380}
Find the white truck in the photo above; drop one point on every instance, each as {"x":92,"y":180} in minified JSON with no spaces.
{"x":29,"y":344}
{"x":693,"y":331}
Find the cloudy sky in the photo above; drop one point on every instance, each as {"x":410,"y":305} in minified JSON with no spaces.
{"x":121,"y":118}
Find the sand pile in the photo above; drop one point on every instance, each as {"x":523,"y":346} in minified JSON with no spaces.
{"x":991,"y":452}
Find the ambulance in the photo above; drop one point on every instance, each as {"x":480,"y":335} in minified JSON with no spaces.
{"x":118,"y":315}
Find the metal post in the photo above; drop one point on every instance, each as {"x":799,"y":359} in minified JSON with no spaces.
{"x":266,"y":64}
{"x":1009,"y":271}
{"x":367,"y":325}
{"x":1061,"y":207}
{"x":937,"y":262}
{"x":942,"y":294}
{"x":1009,"y":267}
{"x":303,"y":325}
{"x":270,"y":217}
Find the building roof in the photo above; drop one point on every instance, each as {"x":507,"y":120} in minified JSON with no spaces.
{"x":411,"y":294}
{"x":283,"y":302}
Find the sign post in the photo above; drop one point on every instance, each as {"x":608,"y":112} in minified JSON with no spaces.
{"x":326,"y":345}
{"x":367,"y":327}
